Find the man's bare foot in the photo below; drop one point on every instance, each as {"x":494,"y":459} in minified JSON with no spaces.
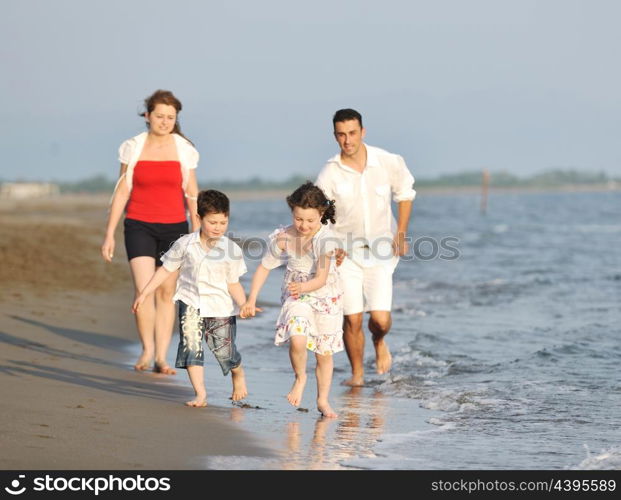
{"x":354,"y":381}
{"x":239,"y":384}
{"x":383,"y":359}
{"x":200,"y":401}
{"x":326,"y":410}
{"x":295,"y":395}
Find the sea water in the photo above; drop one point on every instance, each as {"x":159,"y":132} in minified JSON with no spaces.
{"x":506,"y":343}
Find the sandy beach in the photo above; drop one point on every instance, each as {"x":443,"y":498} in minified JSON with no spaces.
{"x":70,"y":399}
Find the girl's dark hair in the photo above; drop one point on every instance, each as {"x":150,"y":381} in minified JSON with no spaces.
{"x":310,"y":196}
{"x":168,"y":98}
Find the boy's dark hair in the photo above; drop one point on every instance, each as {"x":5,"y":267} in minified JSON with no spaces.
{"x":342,"y":115}
{"x":310,"y":196}
{"x":211,"y":201}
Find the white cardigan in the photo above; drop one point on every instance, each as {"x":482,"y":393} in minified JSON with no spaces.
{"x":130,"y":150}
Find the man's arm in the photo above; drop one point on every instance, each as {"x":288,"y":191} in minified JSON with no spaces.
{"x":400,"y":243}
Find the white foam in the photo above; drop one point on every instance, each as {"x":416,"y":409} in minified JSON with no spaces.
{"x":606,"y":459}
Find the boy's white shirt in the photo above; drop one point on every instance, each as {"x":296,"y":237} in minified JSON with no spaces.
{"x":204,"y":276}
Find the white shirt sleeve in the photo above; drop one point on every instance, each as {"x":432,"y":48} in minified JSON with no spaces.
{"x":401,"y":181}
{"x":273,"y":254}
{"x":236,"y":266}
{"x":324,"y":182}
{"x":125,"y":151}
{"x":191,"y":155}
{"x":173,"y":259}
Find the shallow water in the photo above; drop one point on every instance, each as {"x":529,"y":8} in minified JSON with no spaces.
{"x":506,"y":357}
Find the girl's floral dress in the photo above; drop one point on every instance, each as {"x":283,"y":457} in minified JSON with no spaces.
{"x":319,"y":314}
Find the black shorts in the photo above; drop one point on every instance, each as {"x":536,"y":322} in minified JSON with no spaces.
{"x":151,"y":239}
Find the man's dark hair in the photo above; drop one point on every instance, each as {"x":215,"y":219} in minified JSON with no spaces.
{"x":342,"y":115}
{"x":211,"y":201}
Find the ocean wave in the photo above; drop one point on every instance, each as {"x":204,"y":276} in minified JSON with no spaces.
{"x":605,"y":460}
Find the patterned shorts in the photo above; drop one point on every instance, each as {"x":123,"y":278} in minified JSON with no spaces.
{"x":218,"y":332}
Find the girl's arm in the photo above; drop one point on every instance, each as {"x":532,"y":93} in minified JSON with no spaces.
{"x":191,"y":194}
{"x":119,"y":200}
{"x":156,"y":280}
{"x":321,"y":276}
{"x":258,"y":280}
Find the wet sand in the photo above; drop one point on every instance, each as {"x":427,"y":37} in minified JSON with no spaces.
{"x":70,"y":398}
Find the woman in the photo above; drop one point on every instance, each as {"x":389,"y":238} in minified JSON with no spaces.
{"x":157,"y":183}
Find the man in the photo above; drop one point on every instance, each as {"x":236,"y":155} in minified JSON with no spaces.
{"x":361,"y":179}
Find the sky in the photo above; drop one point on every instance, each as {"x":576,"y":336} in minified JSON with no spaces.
{"x":520,"y":86}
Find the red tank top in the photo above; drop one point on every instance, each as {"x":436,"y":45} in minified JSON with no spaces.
{"x":157,"y":195}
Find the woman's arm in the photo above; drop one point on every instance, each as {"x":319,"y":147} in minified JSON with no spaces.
{"x":119,"y":200}
{"x":191,"y":193}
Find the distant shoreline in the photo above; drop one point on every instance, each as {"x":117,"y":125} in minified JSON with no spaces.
{"x":103,"y":198}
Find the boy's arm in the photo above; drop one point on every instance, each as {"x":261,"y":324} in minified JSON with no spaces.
{"x":258,"y":280}
{"x":158,"y":278}
{"x":237,"y":293}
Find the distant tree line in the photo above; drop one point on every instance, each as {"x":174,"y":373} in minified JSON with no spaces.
{"x":549,"y":178}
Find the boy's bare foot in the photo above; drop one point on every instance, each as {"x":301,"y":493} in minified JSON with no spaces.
{"x":295,"y":395}
{"x":239,"y":384}
{"x":200,"y":401}
{"x":354,"y":381}
{"x":326,"y":410}
{"x":164,"y":369}
{"x":383,"y":359}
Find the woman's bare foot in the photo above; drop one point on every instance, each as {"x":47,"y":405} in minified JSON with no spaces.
{"x":326,"y":410}
{"x":240,"y":390}
{"x":383,"y":359}
{"x":143,"y":363}
{"x":200,"y":401}
{"x":164,"y":369}
{"x":295,"y":395}
{"x":354,"y":381}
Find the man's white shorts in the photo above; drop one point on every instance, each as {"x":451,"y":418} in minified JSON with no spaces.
{"x":365,"y":288}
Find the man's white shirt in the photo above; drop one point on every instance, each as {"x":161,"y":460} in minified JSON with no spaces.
{"x":363,"y":199}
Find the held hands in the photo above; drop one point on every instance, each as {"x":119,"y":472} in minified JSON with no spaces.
{"x":295,"y":289}
{"x":107,"y":249}
{"x":249,"y":310}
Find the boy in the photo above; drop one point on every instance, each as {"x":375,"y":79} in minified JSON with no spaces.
{"x":209,"y":295}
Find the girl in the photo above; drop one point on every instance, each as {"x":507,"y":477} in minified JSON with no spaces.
{"x":312,"y":313}
{"x":157,"y":183}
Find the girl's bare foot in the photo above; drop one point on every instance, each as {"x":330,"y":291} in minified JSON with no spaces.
{"x":326,"y":410}
{"x":295,"y":395}
{"x":239,"y":384}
